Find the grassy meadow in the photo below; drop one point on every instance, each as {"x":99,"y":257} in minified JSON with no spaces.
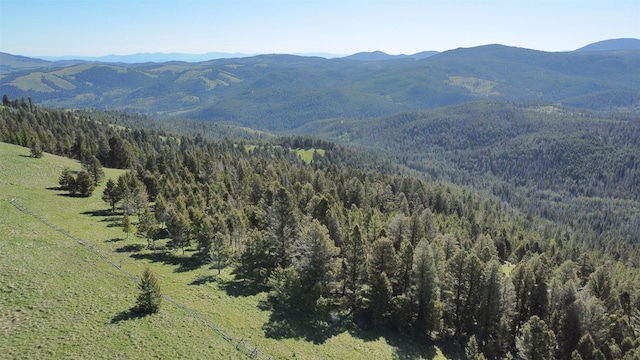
{"x":60,"y":299}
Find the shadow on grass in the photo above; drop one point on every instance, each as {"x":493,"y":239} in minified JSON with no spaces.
{"x":239,"y":287}
{"x":183,"y":263}
{"x":318,"y":328}
{"x":114,"y":240}
{"x":130,"y":314}
{"x":204,"y":279}
{"x":408,"y":349}
{"x":106,"y":212}
{"x":300,"y":324}
{"x":131,"y":248}
{"x":113,"y":219}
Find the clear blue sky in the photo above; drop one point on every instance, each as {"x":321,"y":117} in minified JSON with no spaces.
{"x":101,"y":27}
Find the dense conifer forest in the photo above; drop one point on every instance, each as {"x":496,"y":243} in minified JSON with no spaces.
{"x":351,"y":237}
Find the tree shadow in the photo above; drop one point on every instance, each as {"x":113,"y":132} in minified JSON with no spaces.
{"x":318,"y":328}
{"x":107,"y":216}
{"x":299,"y":324}
{"x":409,"y":349}
{"x":204,"y":279}
{"x":130,"y":314}
{"x":183,"y":263}
{"x":239,"y":287}
{"x":114,"y":240}
{"x":106,"y":212}
{"x":68,"y":195}
{"x":131,"y":248}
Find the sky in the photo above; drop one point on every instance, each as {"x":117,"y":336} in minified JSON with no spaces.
{"x":121,"y":27}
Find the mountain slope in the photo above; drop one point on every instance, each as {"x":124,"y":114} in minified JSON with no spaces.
{"x":283,"y":92}
{"x":559,"y":163}
{"x":612,"y":45}
{"x":381,"y":56}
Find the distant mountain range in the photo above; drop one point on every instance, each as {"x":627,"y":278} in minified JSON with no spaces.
{"x":612,"y":45}
{"x":606,"y":45}
{"x":284,"y":92}
{"x":380,"y":56}
{"x":149,"y":57}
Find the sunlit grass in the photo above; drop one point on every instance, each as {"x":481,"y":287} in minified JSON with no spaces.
{"x":58,"y":299}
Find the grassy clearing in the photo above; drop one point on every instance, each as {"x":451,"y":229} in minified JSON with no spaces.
{"x":60,"y":300}
{"x":307,"y":154}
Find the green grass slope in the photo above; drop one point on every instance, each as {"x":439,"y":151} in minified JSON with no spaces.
{"x":58,"y":299}
{"x":62,"y":299}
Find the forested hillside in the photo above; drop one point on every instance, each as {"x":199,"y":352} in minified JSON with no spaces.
{"x":574,"y":167}
{"x":283,"y":92}
{"x":336,"y":240}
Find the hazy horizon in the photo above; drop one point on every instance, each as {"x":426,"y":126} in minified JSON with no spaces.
{"x":38,"y":28}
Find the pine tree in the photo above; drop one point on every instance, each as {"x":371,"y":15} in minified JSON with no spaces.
{"x":489,"y":313}
{"x":380,"y":297}
{"x":536,"y":341}
{"x":148,"y":227}
{"x":150,"y":297}
{"x":471,"y":351}
{"x":36,"y":150}
{"x":315,"y":259}
{"x":179,"y":227}
{"x":66,"y":180}
{"x":92,"y":165}
{"x":85,"y":184}
{"x":425,"y":280}
{"x":354,"y":267}
{"x":283,"y":229}
{"x":219,"y":251}
{"x":126,"y":224}
{"x":111,"y":194}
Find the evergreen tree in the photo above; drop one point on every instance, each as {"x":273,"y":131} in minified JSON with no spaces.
{"x":383,"y":258}
{"x":84,"y":184}
{"x":523,"y":283}
{"x":426,"y":289}
{"x":179,"y":228}
{"x":380,"y":296}
{"x":150,"y":297}
{"x":36,"y":150}
{"x":283,"y":229}
{"x":586,"y":346}
{"x":600,"y":285}
{"x":471,"y":351}
{"x":354,"y":268}
{"x":92,"y":165}
{"x":405,"y":264}
{"x":111,"y":194}
{"x":315,"y":259}
{"x":147,"y":227}
{"x":161,"y":210}
{"x":536,"y":341}
{"x":126,"y":224}
{"x":489,"y":309}
{"x":251,"y":261}
{"x":67,"y":181}
{"x":219,"y":250}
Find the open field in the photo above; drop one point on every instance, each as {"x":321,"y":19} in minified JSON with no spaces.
{"x":61,"y":299}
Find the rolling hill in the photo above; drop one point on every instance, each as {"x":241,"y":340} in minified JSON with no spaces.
{"x":283,"y":92}
{"x":613,"y":45}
